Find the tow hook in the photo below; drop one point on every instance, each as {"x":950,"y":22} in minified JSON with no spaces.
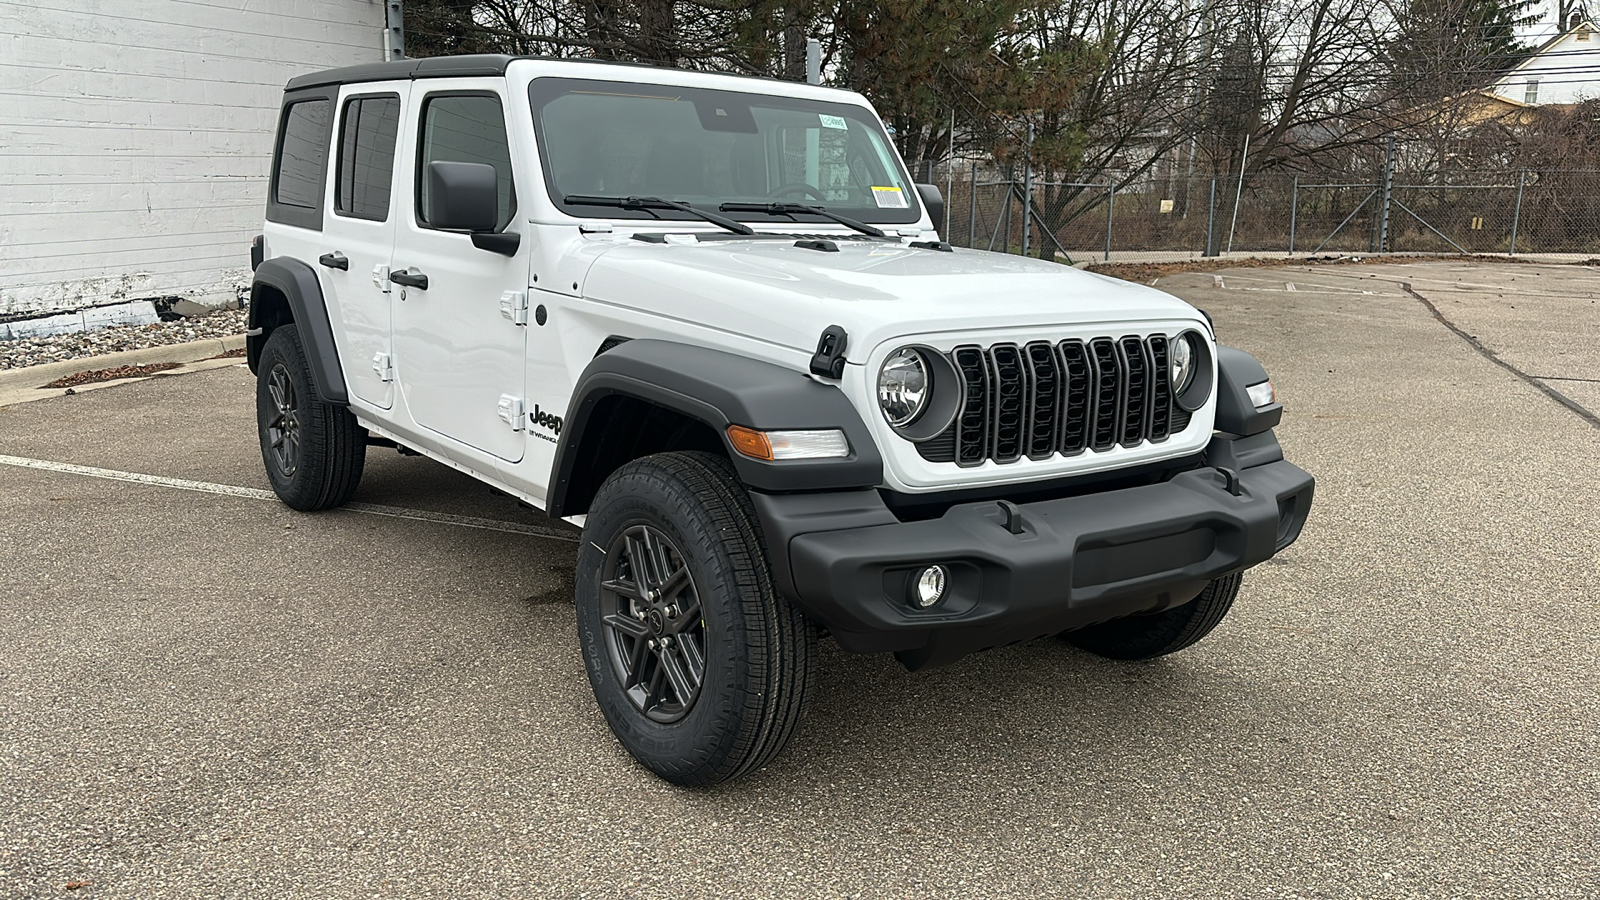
{"x":1010,"y":516}
{"x":1231,"y":479}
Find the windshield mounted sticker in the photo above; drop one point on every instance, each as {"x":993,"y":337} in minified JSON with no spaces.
{"x":833,"y":122}
{"x":889,"y":197}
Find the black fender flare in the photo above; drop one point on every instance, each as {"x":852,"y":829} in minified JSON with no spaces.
{"x":720,"y":389}
{"x":1236,"y":415}
{"x":298,"y":282}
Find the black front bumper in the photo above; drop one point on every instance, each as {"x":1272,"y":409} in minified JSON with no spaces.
{"x":1072,"y":562}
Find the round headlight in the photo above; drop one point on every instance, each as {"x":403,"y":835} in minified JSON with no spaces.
{"x":1183,"y":357}
{"x":903,"y":387}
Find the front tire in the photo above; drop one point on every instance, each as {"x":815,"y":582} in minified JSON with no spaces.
{"x":314,"y":451}
{"x":697,"y":664}
{"x":1158,"y":634}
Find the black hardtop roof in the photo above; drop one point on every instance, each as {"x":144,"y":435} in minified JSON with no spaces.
{"x":463,"y":66}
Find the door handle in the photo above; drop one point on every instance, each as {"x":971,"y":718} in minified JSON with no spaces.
{"x":410,"y":278}
{"x":334,"y":260}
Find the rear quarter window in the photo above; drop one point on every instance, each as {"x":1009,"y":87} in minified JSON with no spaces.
{"x":300,"y":163}
{"x":303,"y":154}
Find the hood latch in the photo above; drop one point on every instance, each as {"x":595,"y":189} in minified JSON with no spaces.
{"x":828,"y":361}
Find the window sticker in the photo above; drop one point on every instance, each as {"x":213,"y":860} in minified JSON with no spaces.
{"x":833,"y":122}
{"x":889,"y":197}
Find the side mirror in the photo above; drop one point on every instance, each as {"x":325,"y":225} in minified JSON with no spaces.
{"x":463,"y":196}
{"x":933,"y":201}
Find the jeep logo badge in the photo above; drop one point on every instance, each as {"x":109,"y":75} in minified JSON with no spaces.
{"x":545,"y":420}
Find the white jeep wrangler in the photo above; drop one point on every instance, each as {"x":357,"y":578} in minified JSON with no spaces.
{"x":708,"y":319}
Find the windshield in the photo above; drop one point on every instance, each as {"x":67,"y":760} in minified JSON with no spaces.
{"x":710,"y":147}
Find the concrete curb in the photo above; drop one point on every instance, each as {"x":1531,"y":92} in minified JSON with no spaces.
{"x":22,"y":385}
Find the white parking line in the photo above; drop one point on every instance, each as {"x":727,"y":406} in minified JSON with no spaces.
{"x":230,"y":490}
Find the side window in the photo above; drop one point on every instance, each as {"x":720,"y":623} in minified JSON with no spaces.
{"x":302,"y":154}
{"x":367,"y":135}
{"x":465,"y":128}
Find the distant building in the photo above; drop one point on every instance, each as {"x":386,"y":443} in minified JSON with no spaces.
{"x":1566,"y":69}
{"x":138,"y":138}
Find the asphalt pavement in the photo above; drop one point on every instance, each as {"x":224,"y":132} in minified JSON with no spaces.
{"x":206,"y":694}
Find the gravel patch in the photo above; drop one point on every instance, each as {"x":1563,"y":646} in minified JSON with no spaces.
{"x":24,"y":352}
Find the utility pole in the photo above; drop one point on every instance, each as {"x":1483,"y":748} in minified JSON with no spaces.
{"x":394,"y":30}
{"x":813,"y":61}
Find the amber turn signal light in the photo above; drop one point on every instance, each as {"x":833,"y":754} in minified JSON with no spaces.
{"x":750,"y":442}
{"x":779,"y":445}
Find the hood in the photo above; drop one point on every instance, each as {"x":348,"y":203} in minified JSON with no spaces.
{"x":784,"y":294}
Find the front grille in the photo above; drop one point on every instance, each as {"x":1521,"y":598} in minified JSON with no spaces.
{"x":1041,"y":399}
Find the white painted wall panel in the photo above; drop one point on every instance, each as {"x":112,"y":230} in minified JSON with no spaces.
{"x":135,"y":139}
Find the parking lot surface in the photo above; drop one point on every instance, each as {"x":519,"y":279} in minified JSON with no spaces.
{"x":206,"y":694}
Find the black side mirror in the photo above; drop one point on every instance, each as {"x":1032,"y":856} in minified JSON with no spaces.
{"x":465,"y":196}
{"x":933,"y":200}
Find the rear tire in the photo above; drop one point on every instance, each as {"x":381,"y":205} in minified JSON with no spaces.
{"x":314,"y":451}
{"x":698,"y":665}
{"x":1158,"y":634}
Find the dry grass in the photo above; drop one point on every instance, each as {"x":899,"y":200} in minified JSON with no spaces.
{"x":96,"y":376}
{"x":1145,"y":273}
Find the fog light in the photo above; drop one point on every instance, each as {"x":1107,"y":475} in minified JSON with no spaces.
{"x":1262,"y":395}
{"x":930,"y":586}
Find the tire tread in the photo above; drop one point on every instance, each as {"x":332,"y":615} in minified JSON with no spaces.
{"x":1163,"y":633}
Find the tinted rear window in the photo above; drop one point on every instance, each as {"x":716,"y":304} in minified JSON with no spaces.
{"x":302,"y":153}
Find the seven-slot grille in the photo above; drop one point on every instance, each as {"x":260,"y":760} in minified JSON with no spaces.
{"x":1041,"y":399}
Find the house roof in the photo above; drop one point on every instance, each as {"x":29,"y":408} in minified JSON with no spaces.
{"x":1560,"y":36}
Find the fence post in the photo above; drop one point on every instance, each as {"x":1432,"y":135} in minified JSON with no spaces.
{"x":1516,"y":216}
{"x":972,"y":209}
{"x":1211,"y":217}
{"x":1111,"y":203}
{"x":1294,"y":211}
{"x":1011,"y":197}
{"x":1027,"y":193}
{"x":1388,"y":192}
{"x":1244,"y":164}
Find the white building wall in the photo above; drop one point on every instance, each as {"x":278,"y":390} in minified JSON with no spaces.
{"x":1568,"y":71}
{"x":135,"y":139}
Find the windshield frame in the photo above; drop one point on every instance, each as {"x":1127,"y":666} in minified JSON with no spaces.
{"x":545,"y":88}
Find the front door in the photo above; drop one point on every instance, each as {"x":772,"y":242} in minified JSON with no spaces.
{"x":358,"y":236}
{"x":459,"y":360}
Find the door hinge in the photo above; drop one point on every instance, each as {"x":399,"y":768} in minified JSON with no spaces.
{"x":380,"y":278}
{"x":511,"y":411}
{"x":514,"y":306}
{"x":383,"y":366}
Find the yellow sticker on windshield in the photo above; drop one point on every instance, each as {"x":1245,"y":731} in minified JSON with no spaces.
{"x":889,"y":197}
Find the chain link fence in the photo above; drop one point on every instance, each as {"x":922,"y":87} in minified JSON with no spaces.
{"x":1535,"y":213}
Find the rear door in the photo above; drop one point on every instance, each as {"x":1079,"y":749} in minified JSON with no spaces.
{"x":358,"y":235}
{"x":459,"y":359}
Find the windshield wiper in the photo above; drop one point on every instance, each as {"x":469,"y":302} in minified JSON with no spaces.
{"x":658,"y":203}
{"x":789,"y":209}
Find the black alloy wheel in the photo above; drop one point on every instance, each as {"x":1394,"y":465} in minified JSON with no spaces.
{"x":655,"y":634}
{"x":313,"y":450}
{"x":283,"y":428}
{"x":699,"y":666}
